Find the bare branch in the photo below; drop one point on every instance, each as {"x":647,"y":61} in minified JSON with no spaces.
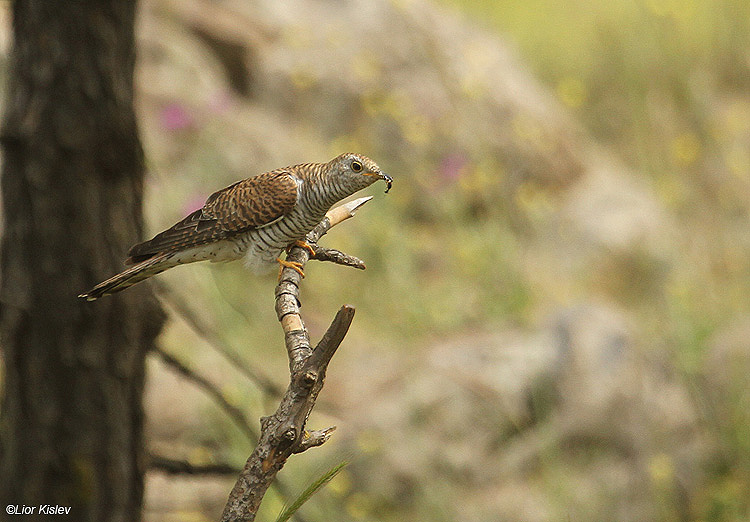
{"x":334,"y":335}
{"x":339,"y":214}
{"x":312,"y":439}
{"x":183,"y":467}
{"x":283,"y":433}
{"x":336,"y":256}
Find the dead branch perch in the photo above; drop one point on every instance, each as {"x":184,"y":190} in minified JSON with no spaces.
{"x":283,"y":433}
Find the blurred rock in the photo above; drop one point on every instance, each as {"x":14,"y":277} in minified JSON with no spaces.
{"x":495,"y":413}
{"x":611,"y":207}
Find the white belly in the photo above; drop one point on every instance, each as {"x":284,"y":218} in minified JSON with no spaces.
{"x":215,"y":252}
{"x":262,"y":246}
{"x":261,"y":261}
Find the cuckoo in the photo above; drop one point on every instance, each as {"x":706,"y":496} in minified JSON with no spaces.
{"x":254,"y":219}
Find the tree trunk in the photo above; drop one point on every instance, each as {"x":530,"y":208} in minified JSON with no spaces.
{"x":72,"y":181}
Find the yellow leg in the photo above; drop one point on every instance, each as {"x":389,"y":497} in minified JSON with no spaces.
{"x":304,"y":244}
{"x":290,"y":264}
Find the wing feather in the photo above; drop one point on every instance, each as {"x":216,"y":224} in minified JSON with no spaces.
{"x":238,"y":208}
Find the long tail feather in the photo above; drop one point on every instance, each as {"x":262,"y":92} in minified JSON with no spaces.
{"x":134,"y":274}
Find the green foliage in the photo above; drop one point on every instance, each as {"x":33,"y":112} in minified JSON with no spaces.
{"x":313,"y":488}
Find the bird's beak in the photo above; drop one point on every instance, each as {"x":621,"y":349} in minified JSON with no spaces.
{"x":388,"y":180}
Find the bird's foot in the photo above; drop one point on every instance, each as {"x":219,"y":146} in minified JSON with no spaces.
{"x":289,"y":264}
{"x":303,"y":244}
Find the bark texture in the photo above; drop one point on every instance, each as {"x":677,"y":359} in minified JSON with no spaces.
{"x":72,"y":182}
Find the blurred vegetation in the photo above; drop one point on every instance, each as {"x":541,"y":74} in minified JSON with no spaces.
{"x":663,"y":84}
{"x":666,"y":84}
{"x":461,"y":244}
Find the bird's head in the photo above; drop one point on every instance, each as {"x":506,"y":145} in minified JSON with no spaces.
{"x":357,"y":171}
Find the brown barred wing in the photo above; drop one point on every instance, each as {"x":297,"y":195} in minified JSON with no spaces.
{"x":240,"y":207}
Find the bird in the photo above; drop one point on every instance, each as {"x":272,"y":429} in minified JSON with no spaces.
{"x":254,"y":219}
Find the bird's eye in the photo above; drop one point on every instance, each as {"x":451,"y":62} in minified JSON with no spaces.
{"x":356,"y":166}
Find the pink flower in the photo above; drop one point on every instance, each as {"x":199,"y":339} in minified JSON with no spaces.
{"x":175,"y":117}
{"x":453,"y":166}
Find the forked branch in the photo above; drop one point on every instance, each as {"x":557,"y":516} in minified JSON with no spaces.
{"x":284,"y":433}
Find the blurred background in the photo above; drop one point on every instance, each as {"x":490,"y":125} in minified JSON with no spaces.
{"x":554,"y":320}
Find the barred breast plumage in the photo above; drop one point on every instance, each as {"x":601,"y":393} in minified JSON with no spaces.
{"x":256,"y":218}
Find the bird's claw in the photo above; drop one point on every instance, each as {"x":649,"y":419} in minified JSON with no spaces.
{"x":289,"y":264}
{"x":305,"y":245}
